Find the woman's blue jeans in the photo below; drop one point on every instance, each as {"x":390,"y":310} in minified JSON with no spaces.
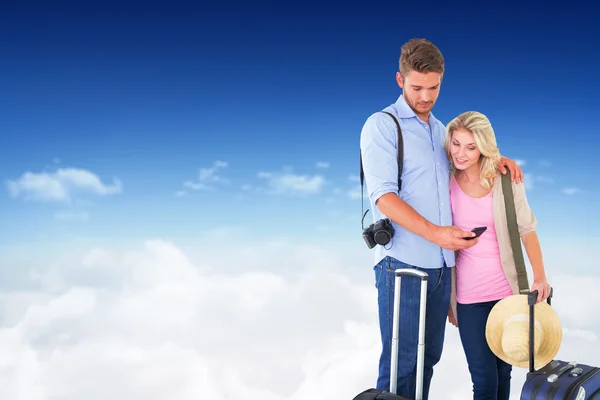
{"x":489,"y":374}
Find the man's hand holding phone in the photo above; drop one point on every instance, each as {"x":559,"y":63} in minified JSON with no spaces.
{"x":477,"y":231}
{"x":453,"y":238}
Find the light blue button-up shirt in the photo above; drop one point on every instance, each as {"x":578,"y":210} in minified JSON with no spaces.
{"x":425,"y":180}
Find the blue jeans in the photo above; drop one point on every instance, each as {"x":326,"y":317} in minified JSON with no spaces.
{"x":489,"y":374}
{"x":438,"y":301}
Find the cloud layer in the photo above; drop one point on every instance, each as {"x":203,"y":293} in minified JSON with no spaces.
{"x":157,"y":323}
{"x":288,"y":182}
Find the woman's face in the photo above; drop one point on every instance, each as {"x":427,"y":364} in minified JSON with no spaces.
{"x":463,"y":149}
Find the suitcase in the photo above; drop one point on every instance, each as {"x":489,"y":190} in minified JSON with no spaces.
{"x":565,"y":380}
{"x":374,"y":394}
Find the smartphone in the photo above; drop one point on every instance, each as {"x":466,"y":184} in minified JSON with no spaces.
{"x":478,"y":231}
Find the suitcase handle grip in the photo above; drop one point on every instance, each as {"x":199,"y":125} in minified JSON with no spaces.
{"x":532,"y":297}
{"x":412,"y":272}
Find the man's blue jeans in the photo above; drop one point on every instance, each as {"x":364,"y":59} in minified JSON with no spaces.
{"x":489,"y":374}
{"x":438,"y":301}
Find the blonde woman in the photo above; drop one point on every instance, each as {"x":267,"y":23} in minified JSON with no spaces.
{"x":480,"y":277}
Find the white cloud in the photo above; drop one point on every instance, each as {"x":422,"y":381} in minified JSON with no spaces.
{"x":520,"y":163}
{"x":246,"y":188}
{"x":571,"y":191}
{"x":60,"y":186}
{"x":289,"y":183}
{"x":322,"y":164}
{"x":531,"y":180}
{"x":528,"y":181}
{"x":157,"y":323}
{"x":581,"y":334}
{"x":355,"y":193}
{"x":210,"y":174}
{"x":207,"y":178}
{"x":196,"y":186}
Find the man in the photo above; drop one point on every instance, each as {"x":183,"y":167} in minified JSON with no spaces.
{"x":421,"y":214}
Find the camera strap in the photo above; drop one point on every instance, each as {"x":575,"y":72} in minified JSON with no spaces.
{"x":400,"y":158}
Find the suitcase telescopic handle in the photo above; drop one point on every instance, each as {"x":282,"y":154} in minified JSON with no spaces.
{"x":422,"y":275}
{"x":412,"y":272}
{"x":531,"y":301}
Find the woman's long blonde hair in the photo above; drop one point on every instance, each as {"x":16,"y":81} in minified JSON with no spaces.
{"x":485,"y":139}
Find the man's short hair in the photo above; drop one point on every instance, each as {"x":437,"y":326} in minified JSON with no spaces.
{"x":422,"y":56}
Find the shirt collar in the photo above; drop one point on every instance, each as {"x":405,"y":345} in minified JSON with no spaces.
{"x":404,"y":111}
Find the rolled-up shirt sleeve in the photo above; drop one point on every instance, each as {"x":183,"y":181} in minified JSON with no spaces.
{"x":526,"y":220}
{"x":378,"y":146}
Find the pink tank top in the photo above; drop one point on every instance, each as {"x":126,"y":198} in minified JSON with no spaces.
{"x":479,"y":273}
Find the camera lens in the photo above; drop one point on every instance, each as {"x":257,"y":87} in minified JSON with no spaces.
{"x":382,"y":237}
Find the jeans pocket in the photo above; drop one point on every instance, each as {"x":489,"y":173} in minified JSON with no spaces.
{"x":378,"y":272}
{"x":439,"y":279}
{"x":380,"y":269}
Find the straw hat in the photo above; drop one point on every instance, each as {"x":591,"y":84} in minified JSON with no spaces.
{"x":507,"y":332}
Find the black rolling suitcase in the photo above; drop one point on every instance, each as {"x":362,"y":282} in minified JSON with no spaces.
{"x":558,"y":379}
{"x":374,"y":394}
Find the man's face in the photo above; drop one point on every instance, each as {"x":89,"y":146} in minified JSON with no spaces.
{"x":420,"y":90}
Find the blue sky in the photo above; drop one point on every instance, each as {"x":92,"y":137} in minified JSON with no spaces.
{"x":153,"y":95}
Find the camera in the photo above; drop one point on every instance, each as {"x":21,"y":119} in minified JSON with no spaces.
{"x":380,"y":232}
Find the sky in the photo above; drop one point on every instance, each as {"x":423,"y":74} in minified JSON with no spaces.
{"x":170,"y":166}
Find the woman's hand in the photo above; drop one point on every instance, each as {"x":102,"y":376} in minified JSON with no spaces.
{"x":543,"y":288}
{"x":452,"y":317}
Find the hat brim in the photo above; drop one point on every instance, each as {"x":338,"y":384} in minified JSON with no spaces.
{"x":546,"y":317}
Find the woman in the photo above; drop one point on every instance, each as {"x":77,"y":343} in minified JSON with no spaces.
{"x":481,"y":278}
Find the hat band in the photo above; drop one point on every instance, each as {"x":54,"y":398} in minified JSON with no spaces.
{"x":522,"y":318}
